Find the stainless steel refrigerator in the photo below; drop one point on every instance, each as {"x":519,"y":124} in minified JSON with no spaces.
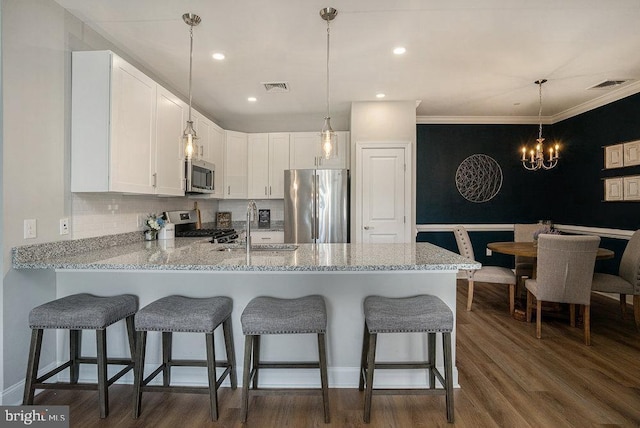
{"x":316,"y":205}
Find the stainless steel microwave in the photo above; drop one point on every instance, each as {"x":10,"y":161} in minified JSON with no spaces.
{"x":200,"y":176}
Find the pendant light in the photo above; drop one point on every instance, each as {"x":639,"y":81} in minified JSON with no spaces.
{"x":536,"y":160}
{"x":189,"y":135}
{"x":328,"y":138}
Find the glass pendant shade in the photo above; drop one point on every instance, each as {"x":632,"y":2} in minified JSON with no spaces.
{"x":189,"y":138}
{"x":329,"y":140}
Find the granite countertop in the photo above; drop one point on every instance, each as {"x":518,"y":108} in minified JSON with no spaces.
{"x":200,"y":254}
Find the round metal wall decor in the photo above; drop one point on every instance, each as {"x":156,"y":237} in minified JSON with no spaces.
{"x":479,"y":178}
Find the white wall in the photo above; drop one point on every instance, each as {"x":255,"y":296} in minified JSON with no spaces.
{"x":380,"y":121}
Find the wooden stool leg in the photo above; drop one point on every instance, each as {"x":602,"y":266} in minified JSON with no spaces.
{"x":138,"y":371}
{"x":470,"y":295}
{"x":32,"y":366}
{"x":538,"y":319}
{"x":103,"y":388}
{"x":230,"y":350}
{"x":431,"y":354}
{"x":256,"y":360}
{"x":636,"y":310}
{"x":131,"y":334}
{"x":211,"y":372}
{"x":363,"y":357}
{"x":246,"y":375}
{"x":587,"y":325}
{"x":167,"y":342}
{"x":371,"y":355}
{"x":572,"y":314}
{"x":623,"y":305}
{"x":75,"y":347}
{"x":448,"y":376}
{"x":322,"y":355}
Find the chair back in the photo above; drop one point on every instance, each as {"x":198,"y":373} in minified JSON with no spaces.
{"x":565,"y":268}
{"x":630,"y":262}
{"x":524,"y":232}
{"x":464,"y":243}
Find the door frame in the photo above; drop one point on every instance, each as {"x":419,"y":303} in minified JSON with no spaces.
{"x":356,"y":231}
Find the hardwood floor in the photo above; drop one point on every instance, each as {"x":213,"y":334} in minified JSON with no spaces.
{"x":508,"y":378}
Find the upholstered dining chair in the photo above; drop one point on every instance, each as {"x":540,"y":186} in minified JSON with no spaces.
{"x":627,"y":282}
{"x":490,"y":274}
{"x":564,"y":275}
{"x":523,"y":264}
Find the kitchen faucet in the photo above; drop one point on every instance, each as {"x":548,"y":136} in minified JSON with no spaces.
{"x":252,"y":214}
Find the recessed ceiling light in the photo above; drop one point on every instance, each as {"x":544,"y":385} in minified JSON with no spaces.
{"x":399,"y":50}
{"x":218,"y":55}
{"x":380,"y":95}
{"x":252,"y":99}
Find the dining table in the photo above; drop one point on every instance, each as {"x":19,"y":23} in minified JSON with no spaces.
{"x":530,"y":249}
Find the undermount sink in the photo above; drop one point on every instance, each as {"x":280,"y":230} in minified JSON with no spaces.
{"x":260,"y":247}
{"x":274,"y":247}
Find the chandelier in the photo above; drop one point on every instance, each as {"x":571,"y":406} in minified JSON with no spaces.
{"x":328,"y":138}
{"x":536,"y":160}
{"x":189,"y":135}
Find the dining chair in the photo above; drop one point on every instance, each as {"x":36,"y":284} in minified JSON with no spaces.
{"x":524,"y":265}
{"x":627,"y":282}
{"x":564,"y":275}
{"x":489,"y":274}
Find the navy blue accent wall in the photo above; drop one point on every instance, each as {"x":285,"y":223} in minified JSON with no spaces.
{"x":571,"y":193}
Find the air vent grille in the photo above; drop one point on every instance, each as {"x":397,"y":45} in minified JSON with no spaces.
{"x":607,"y":84}
{"x":272,"y":87}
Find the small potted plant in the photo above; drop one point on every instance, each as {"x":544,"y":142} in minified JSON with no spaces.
{"x":153,"y":224}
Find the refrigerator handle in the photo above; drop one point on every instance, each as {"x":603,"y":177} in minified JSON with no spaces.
{"x":316,"y":221}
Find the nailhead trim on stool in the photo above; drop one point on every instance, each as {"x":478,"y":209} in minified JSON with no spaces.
{"x":192,"y":315}
{"x":271,"y":315}
{"x":422,"y":313}
{"x":76,"y":313}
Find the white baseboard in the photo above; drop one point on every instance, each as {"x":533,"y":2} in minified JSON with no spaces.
{"x":12,"y":396}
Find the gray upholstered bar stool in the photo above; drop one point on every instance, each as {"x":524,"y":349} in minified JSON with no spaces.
{"x":189,"y":315}
{"x":270,"y":315}
{"x":76,"y":313}
{"x":417,"y":314}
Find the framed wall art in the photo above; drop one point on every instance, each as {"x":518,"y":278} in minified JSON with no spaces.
{"x":631,"y":153}
{"x":631,"y":188}
{"x":613,"y":156}
{"x":613,"y":190}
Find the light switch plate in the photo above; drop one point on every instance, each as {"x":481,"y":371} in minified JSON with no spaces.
{"x":30,"y":228}
{"x":64,"y":226}
{"x":489,"y":252}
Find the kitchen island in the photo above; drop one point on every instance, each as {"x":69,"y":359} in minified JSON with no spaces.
{"x":343,"y":273}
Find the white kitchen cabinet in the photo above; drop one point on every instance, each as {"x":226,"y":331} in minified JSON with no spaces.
{"x":117,"y":142}
{"x":169,"y":165}
{"x":268,"y":157}
{"x":235,"y":165}
{"x":305,"y":151}
{"x":267,"y":237}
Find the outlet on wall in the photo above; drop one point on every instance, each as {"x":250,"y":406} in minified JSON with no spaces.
{"x":489,"y":252}
{"x":64,"y":226}
{"x":30,"y":228}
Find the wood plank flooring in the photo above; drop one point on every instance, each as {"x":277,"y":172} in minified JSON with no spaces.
{"x":508,"y":378}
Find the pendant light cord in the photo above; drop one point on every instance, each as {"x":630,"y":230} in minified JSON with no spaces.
{"x":190,"y":66}
{"x":540,"y":110}
{"x":328,"y":32}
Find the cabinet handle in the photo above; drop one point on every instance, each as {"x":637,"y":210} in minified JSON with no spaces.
{"x":266,"y":238}
{"x":155,"y":179}
{"x":228,"y":190}
{"x":265,"y":190}
{"x":269,"y":190}
{"x":367,"y":228}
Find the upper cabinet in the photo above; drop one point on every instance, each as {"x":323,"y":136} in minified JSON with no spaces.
{"x":268,"y":157}
{"x":305,"y":151}
{"x":210,"y":148}
{"x":235,"y":165}
{"x":169,"y":163}
{"x":118,"y":142}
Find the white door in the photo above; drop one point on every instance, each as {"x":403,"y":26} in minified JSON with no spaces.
{"x":383,"y":184}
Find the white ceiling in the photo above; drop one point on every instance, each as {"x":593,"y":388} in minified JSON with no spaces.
{"x":465,"y":58}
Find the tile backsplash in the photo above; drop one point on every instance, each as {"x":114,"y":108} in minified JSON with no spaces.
{"x":98,"y":214}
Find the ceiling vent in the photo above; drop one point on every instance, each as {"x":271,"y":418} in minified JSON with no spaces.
{"x":608,"y":84}
{"x":273,"y":87}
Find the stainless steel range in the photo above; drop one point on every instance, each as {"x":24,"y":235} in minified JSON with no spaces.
{"x":186,"y":227}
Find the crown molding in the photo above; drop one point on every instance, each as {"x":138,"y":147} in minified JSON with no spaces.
{"x":608,"y":98}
